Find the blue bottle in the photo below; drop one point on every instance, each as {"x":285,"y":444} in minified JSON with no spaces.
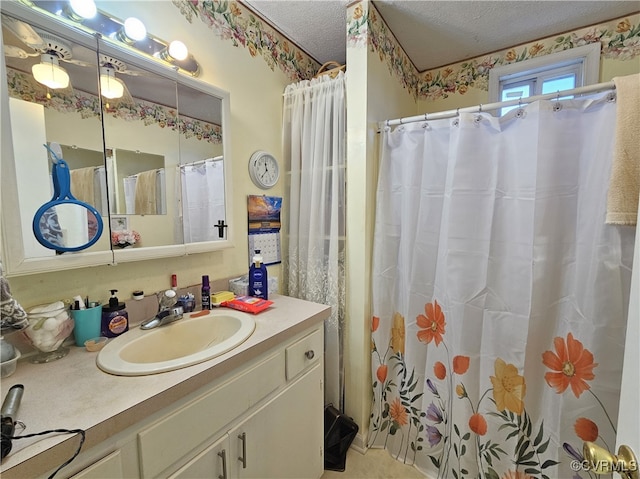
{"x":258,"y":277}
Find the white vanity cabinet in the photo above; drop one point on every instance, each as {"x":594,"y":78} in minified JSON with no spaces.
{"x":262,"y":420}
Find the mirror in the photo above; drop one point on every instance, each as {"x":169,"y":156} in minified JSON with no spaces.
{"x":65,"y":224}
{"x":129,"y":122}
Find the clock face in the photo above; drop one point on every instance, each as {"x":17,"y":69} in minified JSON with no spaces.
{"x":263,"y":169}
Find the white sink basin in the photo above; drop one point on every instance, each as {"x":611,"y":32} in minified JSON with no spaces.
{"x":182,"y":343}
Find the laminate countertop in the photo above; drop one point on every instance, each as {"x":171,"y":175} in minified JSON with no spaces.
{"x":73,"y":393}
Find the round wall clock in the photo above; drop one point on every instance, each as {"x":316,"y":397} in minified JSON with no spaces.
{"x":264,"y":169}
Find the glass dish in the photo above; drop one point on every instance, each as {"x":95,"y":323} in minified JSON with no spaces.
{"x":49,"y":326}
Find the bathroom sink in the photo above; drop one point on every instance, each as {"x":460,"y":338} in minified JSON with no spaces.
{"x":183,"y":343}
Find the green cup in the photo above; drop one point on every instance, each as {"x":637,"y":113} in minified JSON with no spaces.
{"x":87,"y":323}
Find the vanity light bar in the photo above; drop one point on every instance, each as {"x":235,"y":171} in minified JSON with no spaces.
{"x":117,"y":30}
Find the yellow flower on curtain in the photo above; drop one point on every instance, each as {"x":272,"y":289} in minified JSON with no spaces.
{"x":397,"y":334}
{"x":509,"y":387}
{"x":572,"y":365}
{"x":431,"y":324}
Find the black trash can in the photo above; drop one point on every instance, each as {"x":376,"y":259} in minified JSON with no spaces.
{"x":339,"y":433}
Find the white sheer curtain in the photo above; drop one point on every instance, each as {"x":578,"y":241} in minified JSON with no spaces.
{"x":314,"y":126}
{"x":500,"y":295}
{"x":202,"y":199}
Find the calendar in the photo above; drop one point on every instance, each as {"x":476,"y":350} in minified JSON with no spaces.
{"x":264,"y":227}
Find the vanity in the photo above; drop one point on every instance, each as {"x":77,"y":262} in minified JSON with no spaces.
{"x":255,"y":411}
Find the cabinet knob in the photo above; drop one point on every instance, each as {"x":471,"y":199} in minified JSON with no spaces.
{"x":310,"y":354}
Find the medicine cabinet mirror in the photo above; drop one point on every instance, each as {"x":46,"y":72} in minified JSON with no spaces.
{"x":140,"y":140}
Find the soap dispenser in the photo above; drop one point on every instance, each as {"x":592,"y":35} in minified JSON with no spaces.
{"x":258,"y":277}
{"x":115,"y":319}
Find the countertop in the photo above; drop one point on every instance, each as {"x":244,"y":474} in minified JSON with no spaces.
{"x":73,"y":393}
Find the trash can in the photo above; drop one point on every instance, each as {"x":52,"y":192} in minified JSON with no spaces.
{"x":339,"y":433}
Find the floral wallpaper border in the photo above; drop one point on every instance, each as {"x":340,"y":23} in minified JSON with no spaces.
{"x":231,"y":20}
{"x":620,"y":40}
{"x":24,"y":87}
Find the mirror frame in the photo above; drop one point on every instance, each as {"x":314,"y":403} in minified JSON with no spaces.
{"x":14,"y":259}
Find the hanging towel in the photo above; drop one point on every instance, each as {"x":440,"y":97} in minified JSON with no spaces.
{"x":624,"y":183}
{"x":146,"y":193}
{"x":13,"y":315}
{"x":82,"y":184}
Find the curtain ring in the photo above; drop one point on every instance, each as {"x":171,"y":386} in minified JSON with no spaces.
{"x":457,"y":111}
{"x":520,"y":102}
{"x":386,"y":123}
{"x":425,"y":116}
{"x":558,"y":95}
{"x":480,"y":108}
{"x":400,"y":121}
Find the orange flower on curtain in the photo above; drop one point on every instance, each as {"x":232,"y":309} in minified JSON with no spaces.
{"x":586,"y":429}
{"x":431,"y":323}
{"x":572,"y":365}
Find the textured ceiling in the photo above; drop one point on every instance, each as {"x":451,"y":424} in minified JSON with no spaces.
{"x":434,"y":33}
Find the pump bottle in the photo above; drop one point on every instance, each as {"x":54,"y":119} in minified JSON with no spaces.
{"x":258,"y":277}
{"x":115,"y":319}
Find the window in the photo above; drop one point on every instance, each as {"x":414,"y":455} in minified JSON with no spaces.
{"x":552,"y":73}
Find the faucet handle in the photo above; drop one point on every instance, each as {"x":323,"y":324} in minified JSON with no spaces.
{"x":167,"y":299}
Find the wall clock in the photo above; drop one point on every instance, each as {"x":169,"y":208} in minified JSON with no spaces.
{"x":264,"y":169}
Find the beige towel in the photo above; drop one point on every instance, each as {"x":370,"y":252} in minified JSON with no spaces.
{"x":624,"y":183}
{"x":82,"y":184}
{"x":146,"y":193}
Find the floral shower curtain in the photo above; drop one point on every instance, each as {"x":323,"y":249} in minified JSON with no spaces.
{"x":499,"y":293}
{"x":314,"y":129}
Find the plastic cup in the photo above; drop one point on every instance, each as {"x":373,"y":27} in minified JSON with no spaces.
{"x":87,"y":323}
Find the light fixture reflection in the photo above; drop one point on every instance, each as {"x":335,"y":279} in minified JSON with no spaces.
{"x":110,"y":86}
{"x":50,"y":73}
{"x":82,"y":9}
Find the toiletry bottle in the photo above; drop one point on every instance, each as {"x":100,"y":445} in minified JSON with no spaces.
{"x":174,"y":282}
{"x":115,"y":319}
{"x":258,"y":277}
{"x":206,"y":293}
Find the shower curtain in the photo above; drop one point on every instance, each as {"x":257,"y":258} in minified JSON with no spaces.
{"x":202,"y":199}
{"x":314,"y":129}
{"x":499,"y":293}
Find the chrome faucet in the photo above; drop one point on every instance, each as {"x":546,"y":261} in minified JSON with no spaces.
{"x":168,"y":311}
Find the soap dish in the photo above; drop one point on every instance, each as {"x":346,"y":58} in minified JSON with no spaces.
{"x":95,"y":344}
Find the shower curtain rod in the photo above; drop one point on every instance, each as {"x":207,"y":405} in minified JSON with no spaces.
{"x":494,"y":106}
{"x":201,"y":162}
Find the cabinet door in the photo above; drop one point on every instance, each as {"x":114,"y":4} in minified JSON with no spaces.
{"x":109,"y":467}
{"x":213,"y":463}
{"x":284,"y":438}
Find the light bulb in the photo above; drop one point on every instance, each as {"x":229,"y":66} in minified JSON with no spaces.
{"x":50,"y":73}
{"x":178,"y":50}
{"x":110,"y":86}
{"x":135,"y":29}
{"x":83,"y":8}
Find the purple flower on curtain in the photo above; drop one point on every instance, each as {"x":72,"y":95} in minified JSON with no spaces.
{"x":432,"y":387}
{"x":568,"y":448}
{"x":434,"y":414}
{"x":433,"y":435}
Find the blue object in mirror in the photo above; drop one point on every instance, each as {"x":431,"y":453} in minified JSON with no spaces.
{"x":65,"y":224}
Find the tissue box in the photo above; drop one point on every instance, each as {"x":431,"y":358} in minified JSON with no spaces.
{"x":240,"y":286}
